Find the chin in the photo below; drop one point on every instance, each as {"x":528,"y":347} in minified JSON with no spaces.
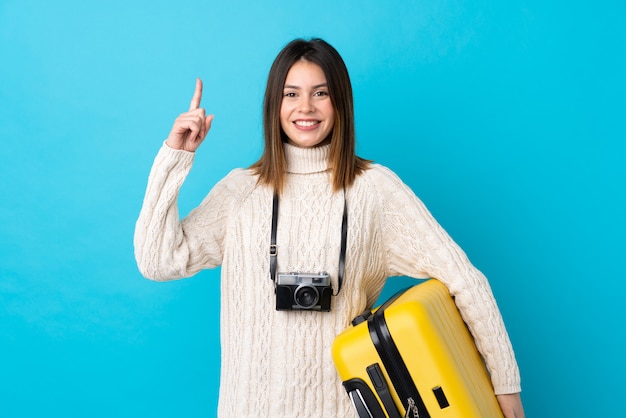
{"x":308,"y":142}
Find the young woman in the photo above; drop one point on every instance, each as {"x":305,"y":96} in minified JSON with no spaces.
{"x":276,"y":359}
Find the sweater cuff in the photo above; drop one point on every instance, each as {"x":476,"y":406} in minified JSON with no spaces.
{"x":170,"y":156}
{"x":506,"y":390}
{"x":176,"y":152}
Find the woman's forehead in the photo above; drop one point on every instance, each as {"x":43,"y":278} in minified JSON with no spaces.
{"x":304,"y":73}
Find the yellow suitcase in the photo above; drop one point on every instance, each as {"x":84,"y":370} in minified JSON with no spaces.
{"x":414,"y":357}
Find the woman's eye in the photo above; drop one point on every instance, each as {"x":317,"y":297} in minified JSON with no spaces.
{"x":290,"y":94}
{"x":321,"y":93}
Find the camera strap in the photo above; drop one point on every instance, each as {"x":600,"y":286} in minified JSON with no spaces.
{"x":342,"y":251}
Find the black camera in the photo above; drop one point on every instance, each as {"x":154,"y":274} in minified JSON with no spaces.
{"x":303,"y":291}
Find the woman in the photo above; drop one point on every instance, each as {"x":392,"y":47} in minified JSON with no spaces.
{"x":275,"y":354}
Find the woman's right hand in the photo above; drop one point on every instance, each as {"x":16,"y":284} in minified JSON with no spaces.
{"x":191,"y":127}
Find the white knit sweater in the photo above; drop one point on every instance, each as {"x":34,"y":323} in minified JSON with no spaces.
{"x":274,"y":363}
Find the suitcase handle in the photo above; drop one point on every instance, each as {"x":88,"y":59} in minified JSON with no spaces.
{"x":364,"y":316}
{"x":382,"y":389}
{"x":359,"y":404}
{"x":363,"y":399}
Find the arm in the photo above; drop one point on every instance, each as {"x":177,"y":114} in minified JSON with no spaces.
{"x":416,"y":245}
{"x":164,"y":248}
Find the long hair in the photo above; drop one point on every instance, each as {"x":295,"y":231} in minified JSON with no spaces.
{"x":346,"y":166}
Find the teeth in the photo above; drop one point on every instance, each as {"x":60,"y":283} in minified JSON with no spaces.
{"x":305,"y":123}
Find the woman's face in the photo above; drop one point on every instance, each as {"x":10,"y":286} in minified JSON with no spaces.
{"x":306,"y":112}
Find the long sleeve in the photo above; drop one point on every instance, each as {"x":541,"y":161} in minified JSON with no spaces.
{"x":165,"y":247}
{"x":416,"y":245}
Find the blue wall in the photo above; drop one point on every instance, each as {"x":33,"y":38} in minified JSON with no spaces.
{"x":506,"y":118}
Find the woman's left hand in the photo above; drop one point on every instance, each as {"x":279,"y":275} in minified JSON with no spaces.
{"x":511,"y":405}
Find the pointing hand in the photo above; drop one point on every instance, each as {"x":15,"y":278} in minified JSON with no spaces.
{"x":191,"y":127}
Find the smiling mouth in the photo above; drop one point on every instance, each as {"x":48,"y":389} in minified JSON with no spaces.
{"x":306,"y":123}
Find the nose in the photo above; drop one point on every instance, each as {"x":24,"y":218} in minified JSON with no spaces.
{"x":305,"y":104}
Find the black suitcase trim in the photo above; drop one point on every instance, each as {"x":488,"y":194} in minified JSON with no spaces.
{"x":393,"y":363}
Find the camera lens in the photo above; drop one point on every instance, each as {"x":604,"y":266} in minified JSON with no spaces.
{"x":306,"y":296}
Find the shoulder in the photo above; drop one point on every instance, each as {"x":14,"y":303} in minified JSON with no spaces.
{"x":228,"y":194}
{"x":379,"y":178}
{"x":237,"y":183}
{"x":240,"y":177}
{"x":386,"y":190}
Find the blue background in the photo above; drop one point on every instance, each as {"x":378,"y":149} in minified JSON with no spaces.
{"x":506,"y":118}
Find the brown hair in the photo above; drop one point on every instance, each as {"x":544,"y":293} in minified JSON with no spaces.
{"x":346,"y":166}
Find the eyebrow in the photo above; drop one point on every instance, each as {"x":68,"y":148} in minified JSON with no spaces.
{"x":317,"y":86}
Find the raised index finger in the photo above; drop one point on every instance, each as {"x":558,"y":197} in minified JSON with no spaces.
{"x":197,"y":96}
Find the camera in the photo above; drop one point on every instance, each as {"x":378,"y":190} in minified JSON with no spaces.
{"x":303,"y":291}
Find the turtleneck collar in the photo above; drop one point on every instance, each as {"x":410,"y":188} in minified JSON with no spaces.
{"x":306,"y":160}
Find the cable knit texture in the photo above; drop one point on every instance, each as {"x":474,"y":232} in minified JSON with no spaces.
{"x":278,"y":364}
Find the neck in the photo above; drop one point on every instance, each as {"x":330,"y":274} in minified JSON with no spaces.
{"x":306,"y":160}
